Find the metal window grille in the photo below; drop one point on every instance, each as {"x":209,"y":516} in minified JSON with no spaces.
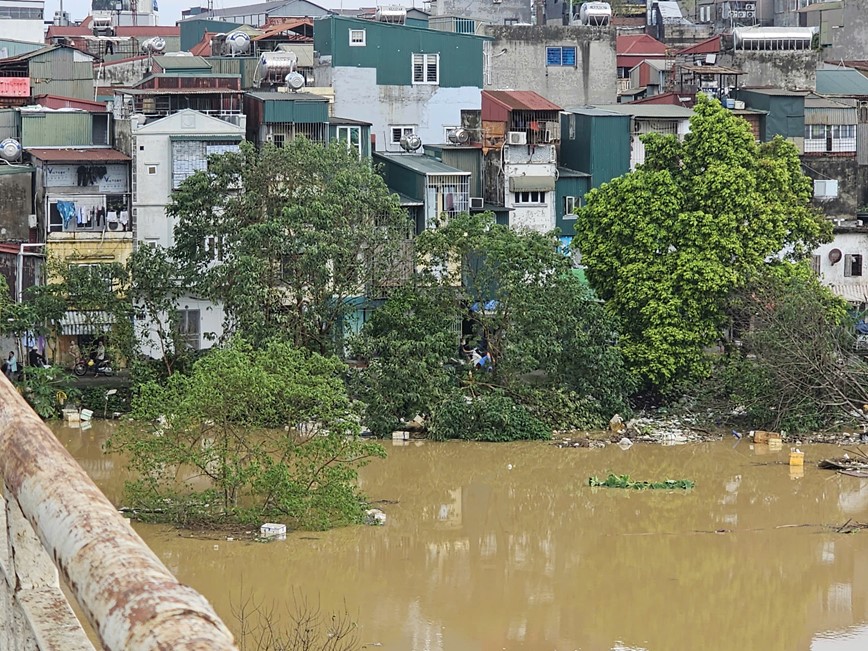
{"x":446,"y":194}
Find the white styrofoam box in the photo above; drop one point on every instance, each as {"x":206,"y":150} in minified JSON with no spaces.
{"x":273,"y":531}
{"x":86,"y":414}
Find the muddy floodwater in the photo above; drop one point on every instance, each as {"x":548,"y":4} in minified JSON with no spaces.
{"x":493,"y":547}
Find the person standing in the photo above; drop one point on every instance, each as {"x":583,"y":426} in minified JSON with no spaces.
{"x":11,"y":365}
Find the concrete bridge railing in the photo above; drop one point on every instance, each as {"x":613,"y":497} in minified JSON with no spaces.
{"x":57,"y":522}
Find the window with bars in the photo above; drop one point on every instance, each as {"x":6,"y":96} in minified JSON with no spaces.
{"x":398,"y":131}
{"x":561,"y":56}
{"x":830,"y":138}
{"x":426,"y":68}
{"x":357,"y":38}
{"x":191,"y":156}
{"x":852,"y":265}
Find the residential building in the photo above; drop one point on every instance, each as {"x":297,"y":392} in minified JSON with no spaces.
{"x":784,"y":112}
{"x":43,"y":126}
{"x":82,"y":206}
{"x":841,"y":25}
{"x":165,"y":152}
{"x":429,"y":188}
{"x":51,"y":70}
{"x":23,"y":19}
{"x":842,"y":264}
{"x":570,"y":66}
{"x":665,"y":119}
{"x":633,"y":49}
{"x":505,"y":12}
{"x":571,"y":187}
{"x":596,"y":141}
{"x":16,"y":203}
{"x":401,"y":79}
{"x":258,"y":15}
{"x":279,"y":117}
{"x":774,"y":57}
{"x":649,"y":78}
{"x":520,"y":132}
{"x":356,"y":133}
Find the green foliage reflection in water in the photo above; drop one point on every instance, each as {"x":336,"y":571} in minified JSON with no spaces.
{"x":249,"y":434}
{"x":624,"y":481}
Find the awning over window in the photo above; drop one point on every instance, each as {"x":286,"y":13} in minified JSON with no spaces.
{"x":86,"y":323}
{"x":531,"y":183}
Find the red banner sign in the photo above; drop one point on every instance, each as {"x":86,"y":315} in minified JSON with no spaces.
{"x":14,"y":86}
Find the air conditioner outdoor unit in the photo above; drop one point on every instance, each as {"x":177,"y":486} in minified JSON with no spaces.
{"x":825,"y":189}
{"x":516,"y":138}
{"x":476,"y":202}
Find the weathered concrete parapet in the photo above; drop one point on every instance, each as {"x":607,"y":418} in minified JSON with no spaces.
{"x":517,"y":61}
{"x":790,"y":70}
{"x":130,"y":598}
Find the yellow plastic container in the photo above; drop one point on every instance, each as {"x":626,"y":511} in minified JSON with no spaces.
{"x":797,"y":458}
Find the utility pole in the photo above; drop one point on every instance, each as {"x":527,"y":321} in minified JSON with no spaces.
{"x":540,"y":6}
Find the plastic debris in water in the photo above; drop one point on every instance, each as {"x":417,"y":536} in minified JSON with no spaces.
{"x":736,"y":434}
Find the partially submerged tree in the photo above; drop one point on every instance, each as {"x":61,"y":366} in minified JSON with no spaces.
{"x":797,"y":367}
{"x":666,"y":245}
{"x":552,"y":345}
{"x":283,"y":237}
{"x":249,"y":434}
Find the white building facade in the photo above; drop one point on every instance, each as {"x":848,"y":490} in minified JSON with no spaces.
{"x":165,"y":152}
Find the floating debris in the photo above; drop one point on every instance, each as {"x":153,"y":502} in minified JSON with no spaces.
{"x":624,"y":481}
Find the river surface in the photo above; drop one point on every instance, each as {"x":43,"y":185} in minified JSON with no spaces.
{"x":501,"y":547}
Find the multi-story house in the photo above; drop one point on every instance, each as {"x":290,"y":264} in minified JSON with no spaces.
{"x":520,"y":130}
{"x":23,"y":19}
{"x":165,"y":152}
{"x":401,"y":79}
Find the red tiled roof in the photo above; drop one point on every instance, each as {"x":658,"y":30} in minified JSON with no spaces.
{"x":76,"y":155}
{"x":639,"y":45}
{"x":521,"y":100}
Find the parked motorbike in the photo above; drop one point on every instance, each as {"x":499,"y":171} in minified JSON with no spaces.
{"x":85,"y":364}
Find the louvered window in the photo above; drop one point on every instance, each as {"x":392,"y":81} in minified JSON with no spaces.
{"x":426,"y":68}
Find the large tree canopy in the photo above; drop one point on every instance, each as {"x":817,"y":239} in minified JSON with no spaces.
{"x":666,"y":244}
{"x":313,"y":227}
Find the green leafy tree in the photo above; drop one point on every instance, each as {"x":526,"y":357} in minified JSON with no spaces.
{"x":270,"y":431}
{"x":666,"y":244}
{"x":154,"y":290}
{"x":796,"y":368}
{"x":410,"y":347}
{"x":313,"y":227}
{"x":552,"y":344}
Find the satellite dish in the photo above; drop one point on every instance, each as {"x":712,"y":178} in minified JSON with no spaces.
{"x":294,"y":81}
{"x":835,"y":256}
{"x":10,"y":150}
{"x":411,"y":142}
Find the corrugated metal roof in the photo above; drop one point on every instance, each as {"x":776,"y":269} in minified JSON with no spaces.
{"x":591,"y":110}
{"x":346,"y":121}
{"x":267,"y":95}
{"x":842,"y":81}
{"x":181,"y":63}
{"x":815,"y":102}
{"x":521,"y":100}
{"x":75,"y":155}
{"x":782,"y":92}
{"x":650,"y":110}
{"x":708,"y":46}
{"x":156,"y":30}
{"x":421,"y":163}
{"x":176,"y":91}
{"x":639,"y":45}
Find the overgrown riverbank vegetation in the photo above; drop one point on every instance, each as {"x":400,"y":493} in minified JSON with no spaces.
{"x":338,"y":319}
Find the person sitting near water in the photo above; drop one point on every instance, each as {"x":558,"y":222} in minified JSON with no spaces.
{"x":35,"y":359}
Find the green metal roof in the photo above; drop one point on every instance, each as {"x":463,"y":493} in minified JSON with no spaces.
{"x":16,"y":169}
{"x":182,"y":63}
{"x":565,"y":172}
{"x":287,"y":97}
{"x":421,"y":164}
{"x":842,"y":81}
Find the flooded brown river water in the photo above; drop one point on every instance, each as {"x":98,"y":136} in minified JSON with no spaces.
{"x":493,"y":547}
